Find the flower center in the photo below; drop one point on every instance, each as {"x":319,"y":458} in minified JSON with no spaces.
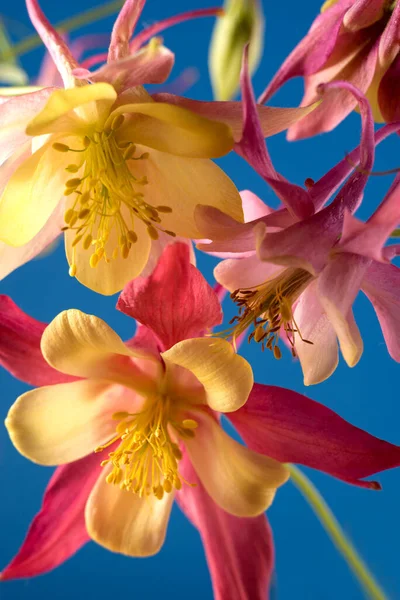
{"x":108,"y":197}
{"x":146,"y":461}
{"x":268,"y":309}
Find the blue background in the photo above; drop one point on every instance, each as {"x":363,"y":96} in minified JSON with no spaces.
{"x":307,"y":565}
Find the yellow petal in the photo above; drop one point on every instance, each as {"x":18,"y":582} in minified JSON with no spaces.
{"x":85,"y":346}
{"x":239,"y":480}
{"x":31,"y":195}
{"x":57,"y":115}
{"x":175,"y":130}
{"x":227,"y":377}
{"x":183,"y":183}
{"x":61,"y":423}
{"x":110,"y":278}
{"x":122,"y":522}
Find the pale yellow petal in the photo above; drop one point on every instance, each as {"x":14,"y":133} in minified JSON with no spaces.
{"x":175,"y":130}
{"x":85,"y":346}
{"x":227,"y":377}
{"x":109,"y":278}
{"x":239,"y":480}
{"x":122,"y":522}
{"x":183,"y":183}
{"x":58,"y":114}
{"x":58,"y":424}
{"x":31,"y":195}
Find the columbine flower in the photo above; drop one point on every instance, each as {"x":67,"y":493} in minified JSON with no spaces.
{"x":156,"y":436}
{"x":145,"y":408}
{"x":352,"y":40}
{"x":114,"y":167}
{"x":284,"y":267}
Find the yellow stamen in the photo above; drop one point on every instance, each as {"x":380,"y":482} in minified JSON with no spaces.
{"x":146,"y":460}
{"x":108,"y":197}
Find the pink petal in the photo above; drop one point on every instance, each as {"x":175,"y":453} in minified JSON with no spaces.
{"x":144,"y":339}
{"x":123,"y":29}
{"x":367,"y":239}
{"x":58,"y":530}
{"x":381,"y":284}
{"x":290,"y":427}
{"x":330,"y":182}
{"x":230,"y":238}
{"x":236,"y":573}
{"x":244,"y":272}
{"x":49,"y":75}
{"x":319,"y":359}
{"x":175,"y":302}
{"x":253,"y":206}
{"x":313,"y":50}
{"x":273,"y":119}
{"x":338,"y":104}
{"x":145,"y":35}
{"x":338,"y":286}
{"x":389,"y":91}
{"x":53,"y":41}
{"x":252,"y":147}
{"x":307,"y":244}
{"x":145,"y":67}
{"x":15,"y":114}
{"x":389,"y":43}
{"x":20,"y":352}
{"x":363,"y":13}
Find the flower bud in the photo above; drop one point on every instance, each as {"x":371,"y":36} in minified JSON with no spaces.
{"x":242,"y":23}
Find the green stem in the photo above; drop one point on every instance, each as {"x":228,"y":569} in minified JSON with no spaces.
{"x":68,"y":25}
{"x":336,"y":533}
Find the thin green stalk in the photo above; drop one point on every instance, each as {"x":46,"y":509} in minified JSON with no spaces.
{"x":68,"y":25}
{"x":336,"y":533}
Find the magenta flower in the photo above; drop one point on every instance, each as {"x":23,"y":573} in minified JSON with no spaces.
{"x":223,"y":498}
{"x":352,"y":40}
{"x":291,"y":271}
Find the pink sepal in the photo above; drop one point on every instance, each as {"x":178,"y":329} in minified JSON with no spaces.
{"x":58,"y":530}
{"x":20,"y":352}
{"x":290,"y":427}
{"x":175,"y":301}
{"x":236,"y":573}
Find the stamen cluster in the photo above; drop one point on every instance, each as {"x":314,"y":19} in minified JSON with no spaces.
{"x":146,"y":461}
{"x":268,"y":308}
{"x":108,"y":197}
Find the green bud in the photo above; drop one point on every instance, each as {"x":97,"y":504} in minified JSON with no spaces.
{"x":242,"y":23}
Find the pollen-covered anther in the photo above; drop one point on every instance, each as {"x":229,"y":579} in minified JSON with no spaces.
{"x":268,"y":310}
{"x":107,"y":197}
{"x":146,"y":460}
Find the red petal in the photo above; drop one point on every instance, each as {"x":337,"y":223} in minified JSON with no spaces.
{"x":20,"y":352}
{"x":58,"y":530}
{"x":235,"y":572}
{"x":290,"y":427}
{"x":175,"y":302}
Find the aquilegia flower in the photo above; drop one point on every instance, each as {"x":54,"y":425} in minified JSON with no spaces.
{"x":352,"y":40}
{"x":290,"y":275}
{"x":145,"y":411}
{"x":121,"y":168}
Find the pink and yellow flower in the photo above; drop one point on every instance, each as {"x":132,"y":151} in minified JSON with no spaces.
{"x":352,"y":40}
{"x":118,"y":170}
{"x":148,"y":411}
